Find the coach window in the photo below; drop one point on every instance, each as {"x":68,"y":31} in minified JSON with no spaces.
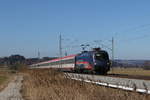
{"x":45,"y":64}
{"x":51,"y":63}
{"x":57,"y":62}
{"x":64,"y":61}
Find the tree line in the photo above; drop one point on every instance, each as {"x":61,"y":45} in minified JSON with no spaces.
{"x":17,"y":61}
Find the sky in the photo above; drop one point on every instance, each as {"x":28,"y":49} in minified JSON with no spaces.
{"x":29,"y":26}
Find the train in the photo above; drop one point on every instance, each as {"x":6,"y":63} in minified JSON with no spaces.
{"x":94,"y":61}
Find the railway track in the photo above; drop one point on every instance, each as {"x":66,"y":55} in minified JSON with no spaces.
{"x":141,"y":77}
{"x":130,"y":76}
{"x":125,"y":82}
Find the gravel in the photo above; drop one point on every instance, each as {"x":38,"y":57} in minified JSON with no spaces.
{"x":12,"y":91}
{"x":131,"y":83}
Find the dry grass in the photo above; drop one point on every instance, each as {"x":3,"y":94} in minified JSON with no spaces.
{"x":130,"y":71}
{"x":52,"y":85}
{"x":5,"y":77}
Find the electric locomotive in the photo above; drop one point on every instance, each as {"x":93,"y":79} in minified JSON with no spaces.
{"x":95,"y":61}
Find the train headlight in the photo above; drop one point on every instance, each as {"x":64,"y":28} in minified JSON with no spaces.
{"x":108,"y":63}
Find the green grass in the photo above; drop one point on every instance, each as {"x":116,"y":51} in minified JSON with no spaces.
{"x":6,"y":75}
{"x":3,"y":79}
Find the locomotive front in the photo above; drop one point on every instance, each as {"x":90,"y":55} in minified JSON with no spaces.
{"x":101,"y":61}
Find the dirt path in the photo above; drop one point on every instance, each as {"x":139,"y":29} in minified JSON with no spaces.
{"x":12,"y":91}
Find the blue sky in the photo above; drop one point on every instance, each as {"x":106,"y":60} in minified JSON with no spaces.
{"x":29,"y":25}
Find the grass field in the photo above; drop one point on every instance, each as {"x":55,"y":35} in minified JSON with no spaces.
{"x":52,"y":85}
{"x":5,"y":77}
{"x":130,"y":71}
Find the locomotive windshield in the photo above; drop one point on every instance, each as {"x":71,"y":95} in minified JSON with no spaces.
{"x":101,"y":56}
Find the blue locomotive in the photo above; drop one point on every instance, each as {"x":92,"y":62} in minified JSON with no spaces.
{"x":95,"y":61}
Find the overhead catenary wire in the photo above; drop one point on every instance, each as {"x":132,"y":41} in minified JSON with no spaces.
{"x":73,"y":44}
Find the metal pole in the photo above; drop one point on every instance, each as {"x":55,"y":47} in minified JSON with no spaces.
{"x":38,"y":55}
{"x":60,"y":50}
{"x":112,"y":51}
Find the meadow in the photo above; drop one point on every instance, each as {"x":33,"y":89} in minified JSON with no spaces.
{"x":5,"y":76}
{"x":41,"y":84}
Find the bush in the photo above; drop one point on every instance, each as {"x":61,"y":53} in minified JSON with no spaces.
{"x":146,"y":67}
{"x":16,"y":66}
